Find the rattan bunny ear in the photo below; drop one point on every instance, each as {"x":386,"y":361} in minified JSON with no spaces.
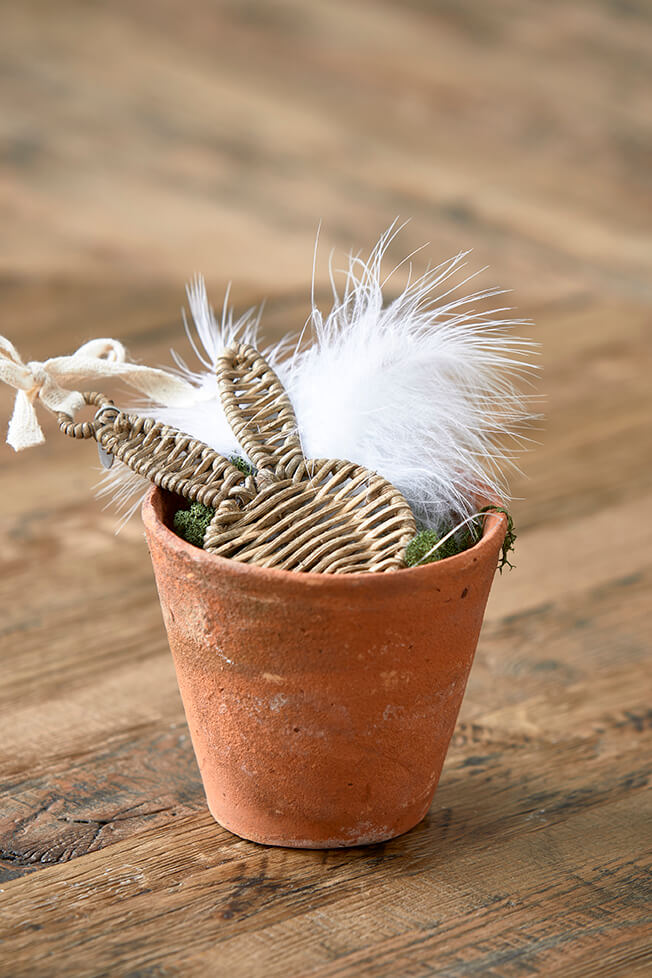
{"x":164,"y":455}
{"x":259,"y":411}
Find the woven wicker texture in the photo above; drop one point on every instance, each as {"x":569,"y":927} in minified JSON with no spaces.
{"x":322,"y":515}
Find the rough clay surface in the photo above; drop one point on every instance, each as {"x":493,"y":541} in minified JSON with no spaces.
{"x":320,"y":706}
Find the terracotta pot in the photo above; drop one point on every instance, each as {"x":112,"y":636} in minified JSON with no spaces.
{"x":320,"y":706}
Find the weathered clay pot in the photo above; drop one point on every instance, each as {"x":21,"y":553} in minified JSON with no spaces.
{"x":320,"y":706}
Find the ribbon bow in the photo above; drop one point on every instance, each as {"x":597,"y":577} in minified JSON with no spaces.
{"x":49,"y":383}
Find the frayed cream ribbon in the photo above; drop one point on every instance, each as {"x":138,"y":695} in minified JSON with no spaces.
{"x":49,"y":383}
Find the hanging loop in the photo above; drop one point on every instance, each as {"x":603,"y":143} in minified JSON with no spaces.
{"x":84,"y":429}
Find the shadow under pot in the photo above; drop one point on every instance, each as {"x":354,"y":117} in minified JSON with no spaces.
{"x":320,"y":706}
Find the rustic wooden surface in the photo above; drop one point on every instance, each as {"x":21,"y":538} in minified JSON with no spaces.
{"x":139,"y":144}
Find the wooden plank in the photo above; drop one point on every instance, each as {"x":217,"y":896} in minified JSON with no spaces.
{"x":531,"y":900}
{"x":146,"y":777}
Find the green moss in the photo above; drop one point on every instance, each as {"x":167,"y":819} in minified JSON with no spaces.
{"x":242,"y":465}
{"x":191,"y":524}
{"x":418,"y":550}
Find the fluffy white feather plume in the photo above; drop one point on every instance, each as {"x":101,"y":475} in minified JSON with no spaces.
{"x":424,"y":389}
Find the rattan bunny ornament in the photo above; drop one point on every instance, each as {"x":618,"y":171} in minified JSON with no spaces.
{"x":323,"y":515}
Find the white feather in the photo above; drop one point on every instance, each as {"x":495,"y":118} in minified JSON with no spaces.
{"x":423,"y":389}
{"x":123,"y":489}
{"x":205,"y":418}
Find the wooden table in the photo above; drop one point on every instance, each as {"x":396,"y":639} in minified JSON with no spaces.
{"x":142,"y":141}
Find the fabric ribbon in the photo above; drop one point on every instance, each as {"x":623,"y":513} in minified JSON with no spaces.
{"x":50,"y":382}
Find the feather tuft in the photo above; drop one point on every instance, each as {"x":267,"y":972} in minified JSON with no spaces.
{"x":425,"y":388}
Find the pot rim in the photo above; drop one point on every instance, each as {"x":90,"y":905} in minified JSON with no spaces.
{"x":494,"y":530}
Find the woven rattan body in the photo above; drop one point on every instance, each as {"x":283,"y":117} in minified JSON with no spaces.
{"x":323,"y":515}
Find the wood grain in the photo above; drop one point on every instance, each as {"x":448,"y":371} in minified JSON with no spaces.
{"x":138,"y":144}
